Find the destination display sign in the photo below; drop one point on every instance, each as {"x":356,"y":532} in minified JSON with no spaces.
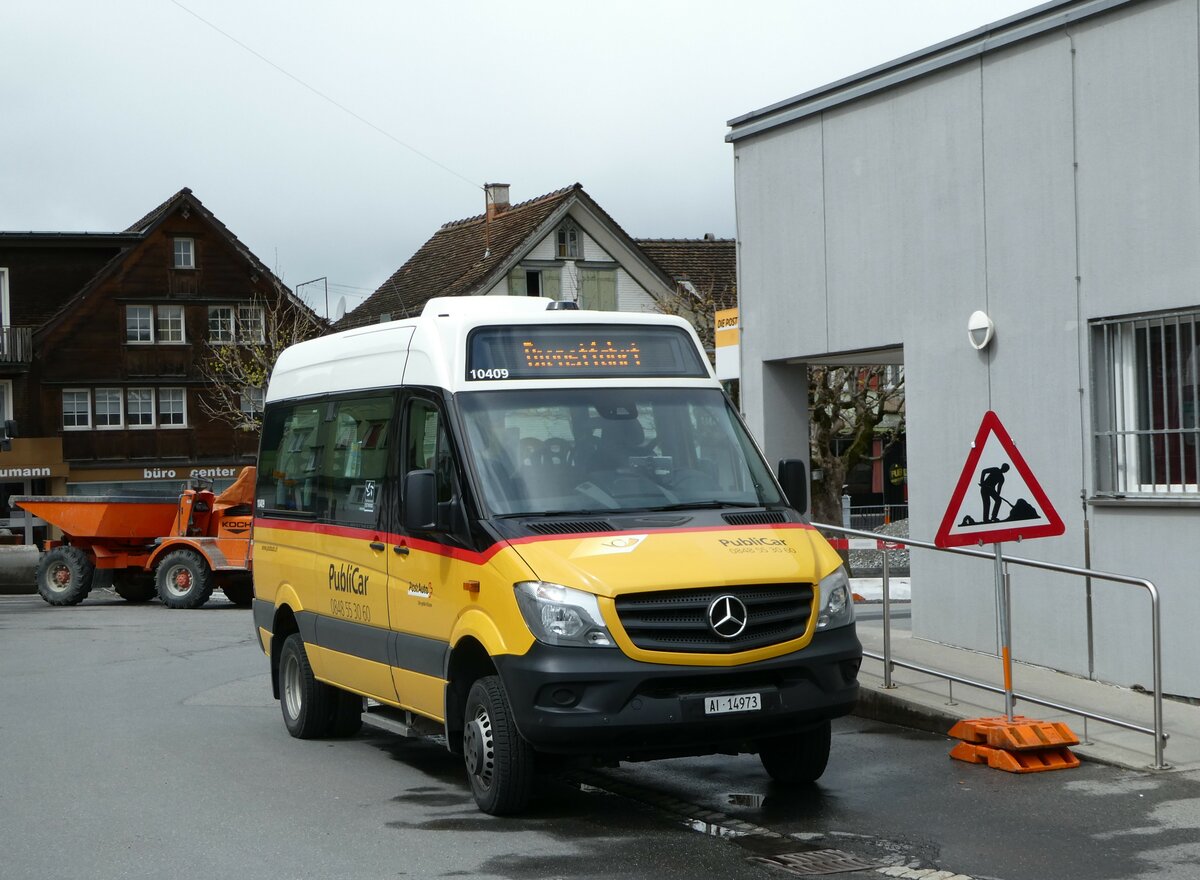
{"x":580,"y":351}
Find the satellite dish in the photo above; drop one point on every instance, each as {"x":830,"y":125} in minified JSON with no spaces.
{"x":339,"y":310}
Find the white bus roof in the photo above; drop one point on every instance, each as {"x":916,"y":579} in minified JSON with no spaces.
{"x":432,"y":350}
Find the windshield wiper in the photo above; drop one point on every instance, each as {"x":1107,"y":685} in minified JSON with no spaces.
{"x":584,"y":512}
{"x":705,"y":505}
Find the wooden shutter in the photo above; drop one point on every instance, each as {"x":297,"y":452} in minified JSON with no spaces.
{"x":516,"y":282}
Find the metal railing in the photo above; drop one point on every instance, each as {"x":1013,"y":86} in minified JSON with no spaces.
{"x":873,"y":516}
{"x":1160,"y":736}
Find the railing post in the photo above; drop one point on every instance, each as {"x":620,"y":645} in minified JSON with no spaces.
{"x":887,"y":624}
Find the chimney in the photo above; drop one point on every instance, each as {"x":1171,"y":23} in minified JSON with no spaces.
{"x":495,"y":199}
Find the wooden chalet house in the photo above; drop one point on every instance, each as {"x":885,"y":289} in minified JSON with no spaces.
{"x":560,"y":245}
{"x":102,"y":334}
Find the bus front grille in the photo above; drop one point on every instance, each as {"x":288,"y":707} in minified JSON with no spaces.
{"x":680,"y":620}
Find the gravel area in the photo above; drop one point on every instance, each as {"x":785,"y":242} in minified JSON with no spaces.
{"x":869,"y":563}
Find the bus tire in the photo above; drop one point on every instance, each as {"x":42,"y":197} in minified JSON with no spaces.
{"x":64,"y":575}
{"x":184,"y":579}
{"x":240,"y":592}
{"x":307,"y":704}
{"x":798,"y":758}
{"x":347,"y":714}
{"x":498,"y":759}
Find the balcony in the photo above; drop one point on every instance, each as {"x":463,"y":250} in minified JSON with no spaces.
{"x":16,"y":348}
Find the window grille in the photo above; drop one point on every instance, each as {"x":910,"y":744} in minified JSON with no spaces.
{"x":1145,"y":398}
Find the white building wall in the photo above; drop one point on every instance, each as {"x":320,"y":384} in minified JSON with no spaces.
{"x":886,"y":221}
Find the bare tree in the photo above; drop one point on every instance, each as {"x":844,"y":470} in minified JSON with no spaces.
{"x":699,"y":305}
{"x":237,"y":368}
{"x":848,"y":410}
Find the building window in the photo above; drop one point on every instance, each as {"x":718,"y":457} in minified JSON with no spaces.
{"x":108,"y":407}
{"x":1146,"y":394}
{"x":567,"y":242}
{"x":185,"y":253}
{"x":252,"y":401}
{"x":169,"y":324}
{"x":140,"y":406}
{"x":77,"y":409}
{"x":251,"y":325}
{"x":172,"y":408}
{"x":139,"y":324}
{"x":220,"y":324}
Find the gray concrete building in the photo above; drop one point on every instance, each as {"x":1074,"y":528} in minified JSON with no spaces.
{"x":1044,"y":170}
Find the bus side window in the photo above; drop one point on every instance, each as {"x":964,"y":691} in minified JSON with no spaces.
{"x":428,"y":447}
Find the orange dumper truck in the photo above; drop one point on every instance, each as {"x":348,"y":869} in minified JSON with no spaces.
{"x":177,"y":549}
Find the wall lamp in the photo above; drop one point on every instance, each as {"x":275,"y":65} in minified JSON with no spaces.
{"x":980,"y":330}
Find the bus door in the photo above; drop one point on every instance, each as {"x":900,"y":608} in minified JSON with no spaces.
{"x":351,"y":455}
{"x":427,"y":569}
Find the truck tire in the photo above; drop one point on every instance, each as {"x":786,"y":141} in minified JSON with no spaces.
{"x":799,"y":758}
{"x":134,"y":586}
{"x":308,"y":705}
{"x":499,"y":761}
{"x":239,"y":592}
{"x":183,"y":579}
{"x":64,"y":575}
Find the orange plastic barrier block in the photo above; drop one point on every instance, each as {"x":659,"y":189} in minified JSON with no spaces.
{"x":1018,"y":734}
{"x":1028,"y":761}
{"x":1032,"y":735}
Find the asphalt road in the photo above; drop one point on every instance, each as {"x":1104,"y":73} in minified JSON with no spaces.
{"x":140,"y":742}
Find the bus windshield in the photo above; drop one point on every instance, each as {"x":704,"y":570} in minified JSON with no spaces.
{"x":586,"y":450}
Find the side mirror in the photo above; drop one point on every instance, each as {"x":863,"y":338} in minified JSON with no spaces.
{"x":793,"y":477}
{"x":420,"y":501}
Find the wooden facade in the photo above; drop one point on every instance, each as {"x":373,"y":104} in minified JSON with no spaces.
{"x":105,"y":323}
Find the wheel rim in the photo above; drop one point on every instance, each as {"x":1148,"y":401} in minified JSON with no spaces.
{"x":479,"y":749}
{"x":60,"y":578}
{"x":179,"y":580}
{"x":292,"y":698}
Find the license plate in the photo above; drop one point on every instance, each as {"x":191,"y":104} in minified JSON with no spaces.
{"x":732,"y":703}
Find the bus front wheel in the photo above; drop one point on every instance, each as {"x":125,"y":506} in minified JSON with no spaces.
{"x":499,"y":761}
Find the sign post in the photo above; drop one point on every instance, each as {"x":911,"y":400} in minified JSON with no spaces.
{"x":1010,"y":505}
{"x":994,"y":463}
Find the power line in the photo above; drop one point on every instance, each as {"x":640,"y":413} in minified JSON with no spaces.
{"x":326,"y":97}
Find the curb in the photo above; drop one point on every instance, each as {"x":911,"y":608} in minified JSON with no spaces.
{"x":876,"y":704}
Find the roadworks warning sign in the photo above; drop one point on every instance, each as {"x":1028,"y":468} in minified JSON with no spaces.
{"x":997,"y":497}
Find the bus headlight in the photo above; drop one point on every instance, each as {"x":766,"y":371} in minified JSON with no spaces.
{"x":559,"y":615}
{"x":837,"y":604}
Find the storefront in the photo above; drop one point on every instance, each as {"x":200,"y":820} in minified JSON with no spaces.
{"x":33,"y":466}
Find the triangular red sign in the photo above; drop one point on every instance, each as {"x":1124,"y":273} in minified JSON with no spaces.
{"x":1008,"y":505}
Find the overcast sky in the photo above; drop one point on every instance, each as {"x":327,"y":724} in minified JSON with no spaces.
{"x":335,"y":138}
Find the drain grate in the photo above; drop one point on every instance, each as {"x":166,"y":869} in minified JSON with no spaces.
{"x":817,"y":862}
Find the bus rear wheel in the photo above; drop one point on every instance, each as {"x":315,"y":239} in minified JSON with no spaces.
{"x":308,"y":704}
{"x":499,"y":761}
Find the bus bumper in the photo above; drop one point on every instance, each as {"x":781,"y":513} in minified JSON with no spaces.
{"x":597,"y":701}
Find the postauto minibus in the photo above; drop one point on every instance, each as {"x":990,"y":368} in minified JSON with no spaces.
{"x":540,"y":532}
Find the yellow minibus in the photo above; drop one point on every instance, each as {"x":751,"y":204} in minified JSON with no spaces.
{"x":540,"y":531}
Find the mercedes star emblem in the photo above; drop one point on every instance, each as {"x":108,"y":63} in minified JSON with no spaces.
{"x":727,"y":616}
